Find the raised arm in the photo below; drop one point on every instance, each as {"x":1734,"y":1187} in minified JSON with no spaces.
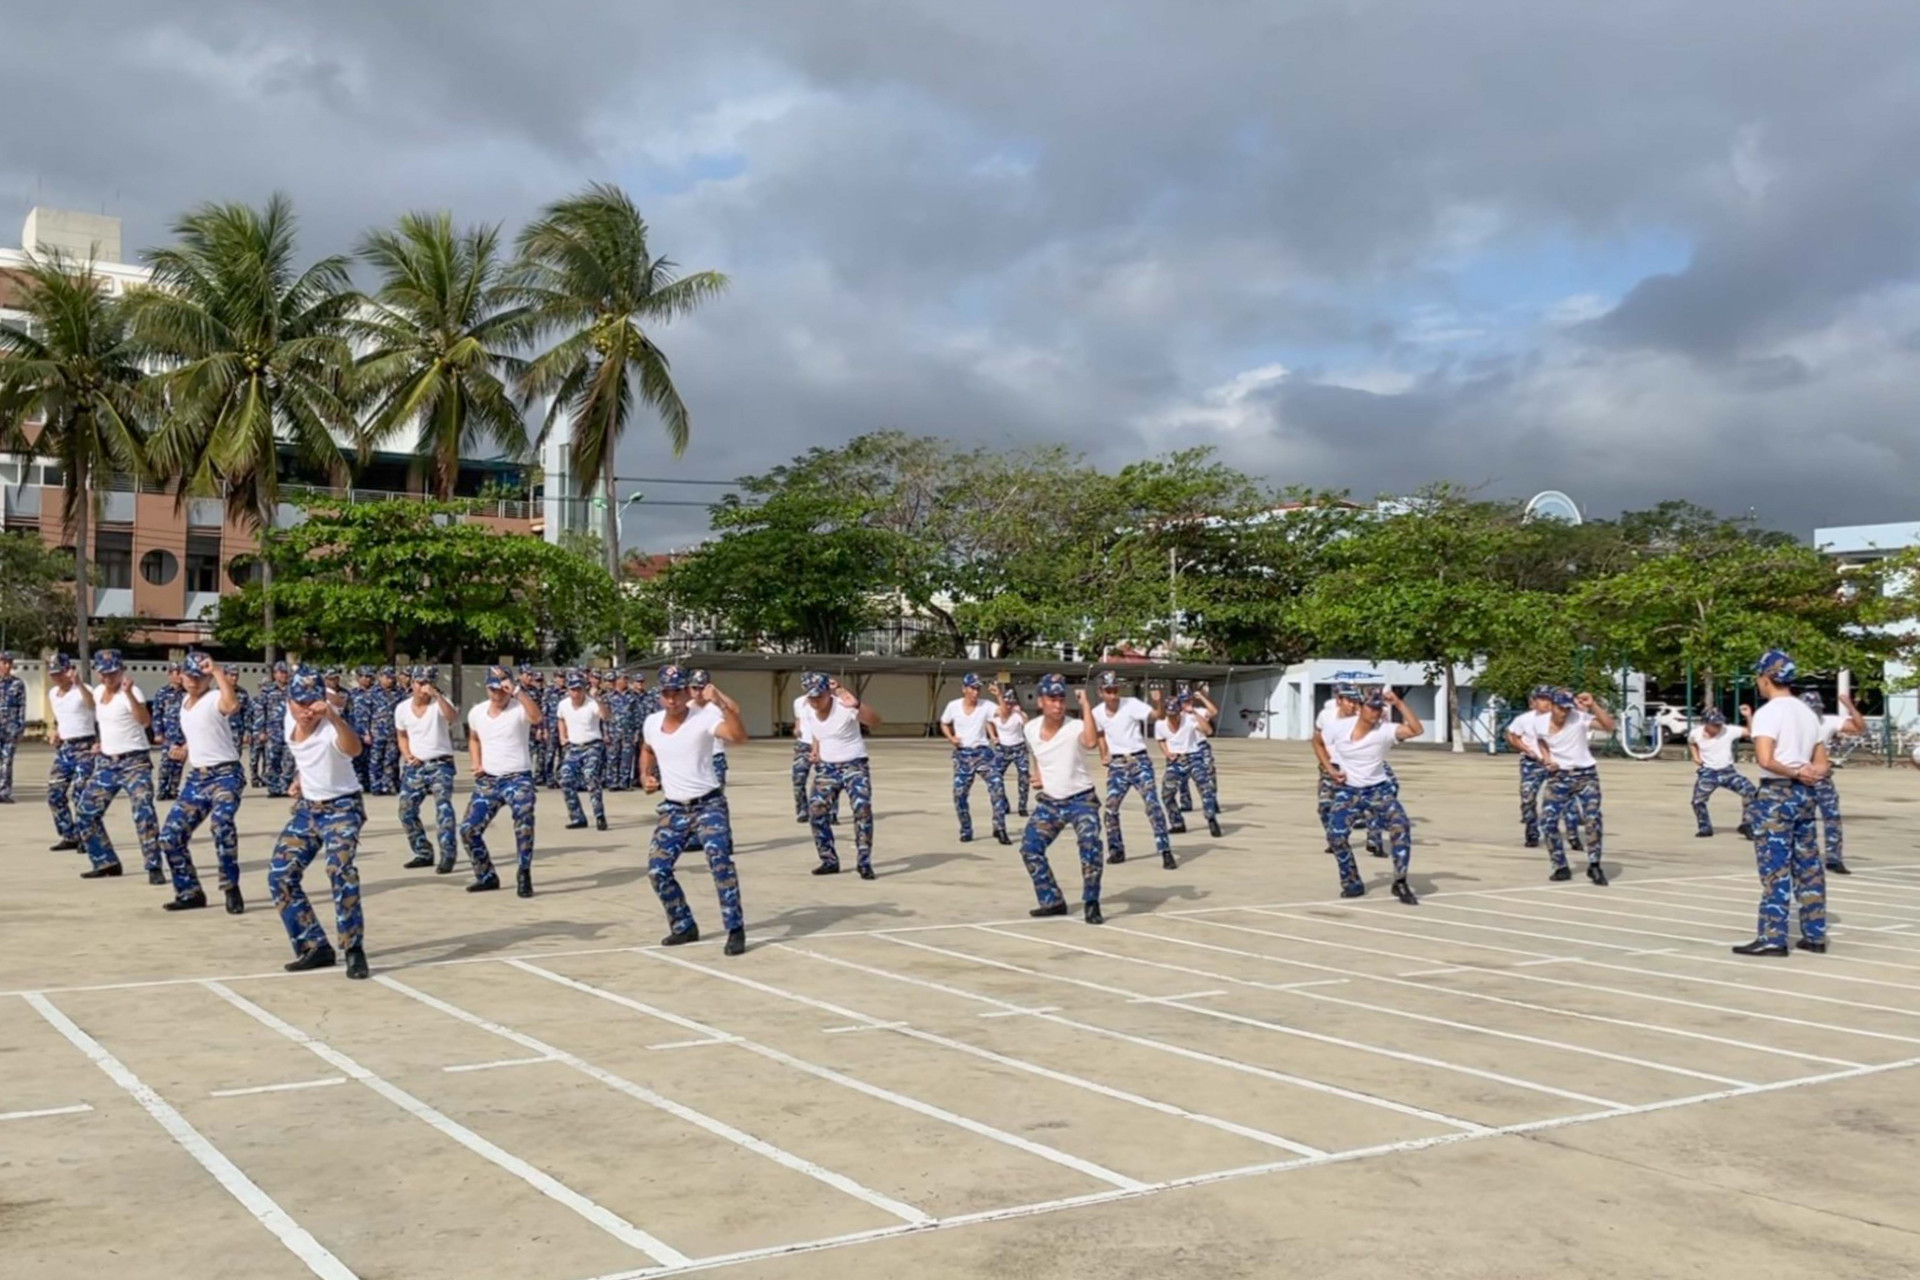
{"x":732,"y":728}
{"x":1855,"y":722}
{"x":229,"y":699}
{"x":1409,"y":725}
{"x":1595,"y":708}
{"x":530,"y":704}
{"x":1089,"y":736}
{"x":348,"y":741}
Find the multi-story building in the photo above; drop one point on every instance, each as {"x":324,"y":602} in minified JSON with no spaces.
{"x":156,"y":556}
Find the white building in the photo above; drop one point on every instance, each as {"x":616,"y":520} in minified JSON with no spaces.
{"x":1863,"y":544}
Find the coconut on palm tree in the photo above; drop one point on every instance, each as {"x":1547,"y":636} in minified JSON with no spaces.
{"x":258,"y":360}
{"x":437,"y":342}
{"x":73,"y":388}
{"x":598,"y":293}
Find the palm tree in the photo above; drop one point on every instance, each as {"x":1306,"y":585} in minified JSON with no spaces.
{"x":593,"y":285}
{"x":259,"y":359}
{"x":437,"y":342}
{"x":74,"y":372}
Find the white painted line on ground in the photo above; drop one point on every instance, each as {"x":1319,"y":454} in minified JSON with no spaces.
{"x":1434,"y":973}
{"x":1012,"y":1013}
{"x":696,"y":1044}
{"x":863,"y":1026}
{"x":1892,"y":928}
{"x":1017,"y":1064}
{"x":719,"y":1128}
{"x":607,"y":1220}
{"x":1191,"y":995}
{"x":503,"y":1062}
{"x":845,"y":1081}
{"x":74,"y":1110}
{"x":278,"y":1088}
{"x":1681,"y":899}
{"x":312,"y":1254}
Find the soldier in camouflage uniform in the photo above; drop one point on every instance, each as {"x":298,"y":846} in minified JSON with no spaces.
{"x":13,"y":722}
{"x":583,"y":724}
{"x":124,"y":763}
{"x":383,"y":769}
{"x":1826,"y":798}
{"x":271,"y":722}
{"x":835,"y":717}
{"x":1066,"y":799}
{"x":502,"y":778}
{"x":241,"y":721}
{"x":72,"y":732}
{"x":1789,"y":744}
{"x":620,"y":734}
{"x":426,"y":772}
{"x":701,"y":684}
{"x":964,"y":725}
{"x":548,"y":697}
{"x":359,"y":710}
{"x":1123,"y":724}
{"x":677,"y":758}
{"x":1363,"y":796}
{"x":645,"y":703}
{"x":213,"y":787}
{"x":167,"y":734}
{"x":326,"y":818}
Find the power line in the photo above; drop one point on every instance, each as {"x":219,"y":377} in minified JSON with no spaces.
{"x":722,"y":484}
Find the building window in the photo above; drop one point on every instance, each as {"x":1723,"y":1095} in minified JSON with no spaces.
{"x":159,"y":567}
{"x":113,"y":561}
{"x":203,"y":565}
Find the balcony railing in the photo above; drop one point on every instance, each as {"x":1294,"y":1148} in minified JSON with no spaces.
{"x":497,"y":508}
{"x":23,"y":500}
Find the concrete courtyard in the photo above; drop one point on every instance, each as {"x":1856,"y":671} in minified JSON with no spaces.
{"x":1239,"y":1075}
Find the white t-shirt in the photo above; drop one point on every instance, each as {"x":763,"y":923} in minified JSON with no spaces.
{"x":503,"y":738}
{"x":1794,"y":727}
{"x":72,"y":715}
{"x":713,"y":712}
{"x":1329,"y":712}
{"x":1124,"y":727}
{"x":1010,"y":730}
{"x":970,"y":727}
{"x":582,"y":722}
{"x":802,"y":713}
{"x":1568,"y":743}
{"x":429,"y":736}
{"x":119,"y":731}
{"x":1061,"y":759}
{"x":1363,"y":759}
{"x":1179,"y":741}
{"x":209,"y":734}
{"x":1716,"y":751}
{"x":326,"y":772}
{"x":838,"y":735}
{"x":685,"y":756}
{"x":1526,"y":727}
{"x":1830,"y":727}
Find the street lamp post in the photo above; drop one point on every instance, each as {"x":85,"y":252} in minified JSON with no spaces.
{"x":619,"y":526}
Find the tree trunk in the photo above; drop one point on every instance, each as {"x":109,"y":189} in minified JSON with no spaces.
{"x":1453,"y":712}
{"x":459,"y":667}
{"x":266,"y":580}
{"x":82,"y":593}
{"x":613,"y":558}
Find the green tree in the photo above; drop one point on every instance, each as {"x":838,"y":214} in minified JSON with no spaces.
{"x":36,"y":593}
{"x":595,"y":288}
{"x":258,"y":359}
{"x":438,"y":341}
{"x":73,"y":388}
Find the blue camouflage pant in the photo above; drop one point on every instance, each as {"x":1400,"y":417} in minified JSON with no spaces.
{"x":1573,"y":804}
{"x":384,"y":759}
{"x":363,"y":766}
{"x":581,"y":772}
{"x":855,"y":777}
{"x":257,"y":760}
{"x":332,"y":826}
{"x":1191,"y":768}
{"x":802,"y":764}
{"x":211,"y":795}
{"x":1016,"y":757}
{"x":8,"y":746}
{"x":1134,"y":773}
{"x":1377,"y":806}
{"x":703,"y":820}
{"x":625,"y":760}
{"x":279,"y":767}
{"x":1788,"y":859}
{"x":166,"y":783}
{"x":132,"y":773}
{"x":970,"y":763}
{"x":1375,"y":836}
{"x":1050,"y":818}
{"x":1707,"y":781}
{"x":419,"y":780}
{"x":1826,"y":805}
{"x":720,"y":767}
{"x":492,"y":793}
{"x":1533,"y":781}
{"x":72,"y":766}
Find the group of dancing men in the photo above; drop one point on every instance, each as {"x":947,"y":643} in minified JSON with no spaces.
{"x":327,"y":750}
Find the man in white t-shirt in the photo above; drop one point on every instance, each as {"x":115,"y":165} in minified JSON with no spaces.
{"x":1363,"y":794}
{"x":802,"y":753}
{"x":833,"y":718}
{"x":1573,"y":779}
{"x":214,"y":783}
{"x":72,"y":732}
{"x":964,"y":724}
{"x":1711,"y":745}
{"x":1200,"y":707}
{"x":1009,"y":729}
{"x":583,"y":721}
{"x":1343,"y":705}
{"x":1058,"y":745}
{"x":1523,"y":735}
{"x":1180,"y":733}
{"x":499,"y":733}
{"x":1123,"y":724}
{"x":700,"y":688}
{"x":423,"y":733}
{"x":1826,"y":798}
{"x":123,"y":762}
{"x":328,"y":813}
{"x":678,"y":746}
{"x":1789,"y":744}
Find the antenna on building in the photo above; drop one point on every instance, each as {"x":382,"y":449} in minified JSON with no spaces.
{"x":1551,"y":504}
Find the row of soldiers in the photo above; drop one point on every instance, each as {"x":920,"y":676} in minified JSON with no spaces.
{"x":628,"y":703}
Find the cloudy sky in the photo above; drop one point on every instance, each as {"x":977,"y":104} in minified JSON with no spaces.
{"x":1646,"y":249}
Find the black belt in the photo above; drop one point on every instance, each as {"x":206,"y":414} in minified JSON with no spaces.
{"x":1126,"y":755}
{"x":75,"y":742}
{"x":144,"y":752}
{"x":718,"y":793}
{"x":1783,"y":782}
{"x":434,"y":759}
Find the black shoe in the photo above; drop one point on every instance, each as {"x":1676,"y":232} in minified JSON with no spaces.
{"x":681,"y":939}
{"x":1375,"y":852}
{"x":1703,"y":835}
{"x":1597,"y":874}
{"x":1353,"y":891}
{"x":827,"y":869}
{"x":445,"y":866}
{"x":236,"y":905}
{"x":966,"y":837}
{"x":523,"y":883}
{"x":1186,"y":808}
{"x":736,"y":942}
{"x":197,"y":898}
{"x":1759,"y":948}
{"x":866,"y":873}
{"x":485,"y":884}
{"x":1168,"y":861}
{"x":101,"y":873}
{"x":1818,"y":948}
{"x":156,"y":876}
{"x":1112,"y":858}
{"x":420,"y":860}
{"x":802,"y":819}
{"x":577,"y":826}
{"x":356,"y":963}
{"x":1213,"y":827}
{"x":1057,"y":909}
{"x":1092,"y":914}
{"x":1177,"y":828}
{"x":1000,"y":834}
{"x":64,"y":845}
{"x":1533,"y":842}
{"x":1745,"y":830}
{"x":1575,"y":845}
{"x":599,"y":824}
{"x":1023,"y":813}
{"x":321,"y":957}
{"x":1403,"y":891}
{"x":1839,"y":868}
{"x":1561,"y":873}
